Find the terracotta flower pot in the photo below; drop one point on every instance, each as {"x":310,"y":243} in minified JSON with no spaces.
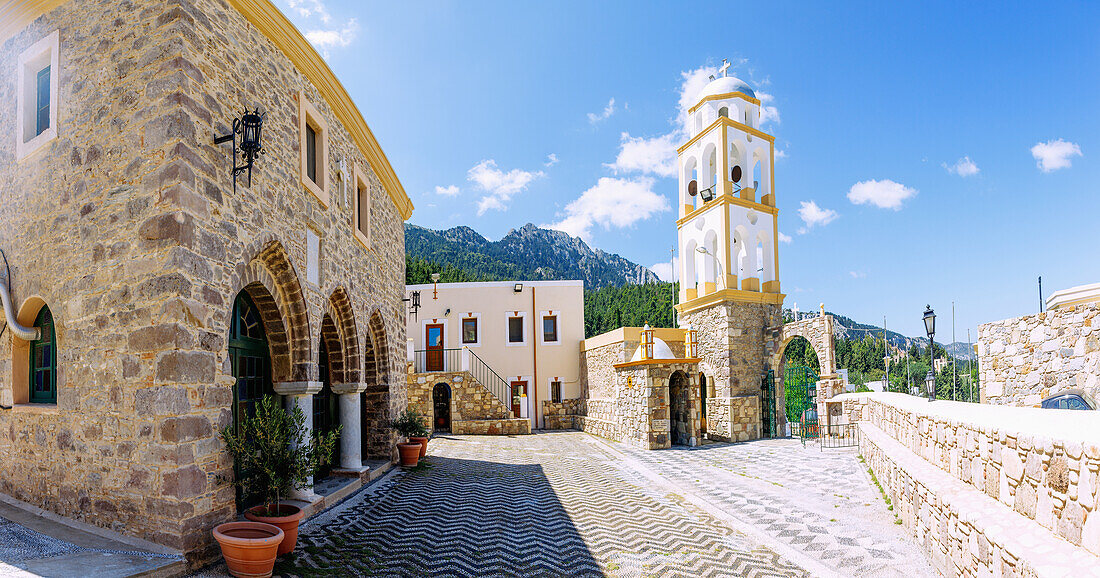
{"x":249,"y":548}
{"x":423,"y":444}
{"x":410,"y":454}
{"x":286,"y":520}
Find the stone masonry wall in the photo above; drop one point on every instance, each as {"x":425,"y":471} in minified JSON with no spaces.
{"x":732,"y":345}
{"x":1043,"y":464}
{"x":128,"y":228}
{"x":474,"y":409}
{"x":1025,"y":359}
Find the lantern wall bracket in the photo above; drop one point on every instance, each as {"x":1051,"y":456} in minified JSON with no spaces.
{"x":248,"y":126}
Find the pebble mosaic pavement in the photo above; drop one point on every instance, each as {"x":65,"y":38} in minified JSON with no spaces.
{"x":569,"y":504}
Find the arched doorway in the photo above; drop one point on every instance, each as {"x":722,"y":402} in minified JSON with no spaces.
{"x":799,"y":370}
{"x":702,"y":404}
{"x":441,"y":403}
{"x":326,"y":416}
{"x":250,"y":359}
{"x":679,"y":409}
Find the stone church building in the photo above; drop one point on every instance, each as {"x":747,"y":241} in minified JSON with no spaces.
{"x":149,"y":299}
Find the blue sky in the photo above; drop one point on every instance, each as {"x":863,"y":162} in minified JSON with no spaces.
{"x":930,"y":152}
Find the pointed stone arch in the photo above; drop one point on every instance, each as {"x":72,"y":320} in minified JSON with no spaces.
{"x":270,"y":280}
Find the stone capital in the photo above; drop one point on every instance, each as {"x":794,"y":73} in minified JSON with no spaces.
{"x":297,"y":387}
{"x":353,"y":387}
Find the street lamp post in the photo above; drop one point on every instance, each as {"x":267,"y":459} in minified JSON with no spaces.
{"x":930,"y":328}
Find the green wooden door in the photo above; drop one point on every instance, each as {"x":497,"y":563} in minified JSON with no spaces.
{"x":251,"y":361}
{"x":325,"y":416}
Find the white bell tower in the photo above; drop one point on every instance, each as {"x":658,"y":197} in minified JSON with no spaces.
{"x":727,"y":228}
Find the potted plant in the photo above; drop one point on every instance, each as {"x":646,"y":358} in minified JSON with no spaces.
{"x":421,"y":436}
{"x":249,"y":548}
{"x":273,"y":459}
{"x":409,"y":426}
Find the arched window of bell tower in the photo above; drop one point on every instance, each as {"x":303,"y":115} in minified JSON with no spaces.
{"x":690,"y":170}
{"x":766,"y":257}
{"x":724,"y":111}
{"x":690,"y":257}
{"x":710,"y":258}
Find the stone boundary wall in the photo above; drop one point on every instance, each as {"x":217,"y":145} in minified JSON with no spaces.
{"x":1024,"y":359}
{"x":1042,"y":464}
{"x":471,"y":403}
{"x":492,"y":427}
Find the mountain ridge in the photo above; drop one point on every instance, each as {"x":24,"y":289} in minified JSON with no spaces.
{"x":528,"y":253}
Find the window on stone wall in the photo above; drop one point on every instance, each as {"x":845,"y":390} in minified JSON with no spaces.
{"x":314,"y":148}
{"x":555,"y":391}
{"x":37,"y":95}
{"x":361,"y":209}
{"x":43,"y":360}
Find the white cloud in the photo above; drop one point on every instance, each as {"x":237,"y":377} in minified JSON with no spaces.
{"x":448,"y":191}
{"x":768,"y":111}
{"x":594,"y":118}
{"x":651,"y":156}
{"x":309,"y":9}
{"x":814,"y":215}
{"x":667,"y":271}
{"x":612,"y":202}
{"x":780,"y":154}
{"x":857,"y":274}
{"x":500,"y":186}
{"x":323,"y":39}
{"x":963,"y":167}
{"x":692,"y":84}
{"x":784,"y":238}
{"x":551,"y":160}
{"x":884,"y":194}
{"x":1054,"y":154}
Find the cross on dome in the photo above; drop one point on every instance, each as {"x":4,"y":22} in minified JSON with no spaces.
{"x":725,"y":66}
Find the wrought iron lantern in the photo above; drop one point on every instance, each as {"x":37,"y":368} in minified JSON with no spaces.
{"x":930,"y":384}
{"x":250,"y":128}
{"x":929,"y":321}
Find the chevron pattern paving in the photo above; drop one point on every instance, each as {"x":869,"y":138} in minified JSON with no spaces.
{"x":540,"y":505}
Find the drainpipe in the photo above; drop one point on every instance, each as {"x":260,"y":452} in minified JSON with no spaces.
{"x":535,"y":356}
{"x":24,"y":333}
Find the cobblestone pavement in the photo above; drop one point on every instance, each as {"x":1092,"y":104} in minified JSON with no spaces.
{"x":569,"y":504}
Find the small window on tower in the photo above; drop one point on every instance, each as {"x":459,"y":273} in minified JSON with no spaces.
{"x":313,"y":133}
{"x":725,"y":112}
{"x":361,"y":209}
{"x":36,"y":97}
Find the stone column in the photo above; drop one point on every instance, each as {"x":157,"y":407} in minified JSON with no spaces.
{"x":300,"y":394}
{"x":351,"y":424}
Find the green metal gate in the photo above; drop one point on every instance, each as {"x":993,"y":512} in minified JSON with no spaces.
{"x":800,"y":394}
{"x":767,"y":404}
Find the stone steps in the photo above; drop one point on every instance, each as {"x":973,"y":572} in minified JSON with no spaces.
{"x":964,"y":531}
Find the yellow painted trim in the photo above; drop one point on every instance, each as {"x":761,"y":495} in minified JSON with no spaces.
{"x":750,"y":284}
{"x":722,"y":202}
{"x":629,"y":364}
{"x":771,"y":286}
{"x":724,"y":96}
{"x":775,"y":246}
{"x":727,"y":239}
{"x":709,"y":287}
{"x":17,"y":15}
{"x":692,"y":293}
{"x":730,"y":295}
{"x":730,"y":123}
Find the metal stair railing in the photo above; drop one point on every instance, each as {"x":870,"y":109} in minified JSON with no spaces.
{"x":455,"y":360}
{"x":491,"y":380}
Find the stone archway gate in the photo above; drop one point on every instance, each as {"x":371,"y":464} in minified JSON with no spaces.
{"x":819,"y":332}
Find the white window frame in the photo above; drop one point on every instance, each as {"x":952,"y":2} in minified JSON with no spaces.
{"x":508,"y":315}
{"x":542,"y":319}
{"x":308,"y":114}
{"x":480,"y":328}
{"x":360,"y":179}
{"x":33,"y":59}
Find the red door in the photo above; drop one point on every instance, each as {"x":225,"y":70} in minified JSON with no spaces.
{"x":519,"y":390}
{"x":434,"y":345}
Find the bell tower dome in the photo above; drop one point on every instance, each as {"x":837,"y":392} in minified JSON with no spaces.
{"x":727,"y":230}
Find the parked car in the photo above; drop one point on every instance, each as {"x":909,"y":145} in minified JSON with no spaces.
{"x":1069,"y":399}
